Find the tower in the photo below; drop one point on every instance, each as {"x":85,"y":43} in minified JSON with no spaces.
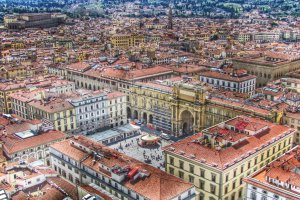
{"x":170,"y":17}
{"x":141,"y":23}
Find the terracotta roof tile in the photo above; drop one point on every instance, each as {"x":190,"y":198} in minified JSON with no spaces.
{"x":285,"y":170}
{"x":165,"y":185}
{"x":221,"y":158}
{"x":13,"y":144}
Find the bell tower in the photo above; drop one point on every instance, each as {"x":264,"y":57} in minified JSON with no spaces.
{"x":170,"y":16}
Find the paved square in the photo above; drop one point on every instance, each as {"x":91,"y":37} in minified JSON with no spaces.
{"x":131,"y":148}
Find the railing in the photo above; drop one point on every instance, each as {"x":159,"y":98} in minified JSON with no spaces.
{"x":95,"y":177}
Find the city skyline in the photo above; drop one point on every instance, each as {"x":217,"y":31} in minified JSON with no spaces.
{"x":150,"y":100}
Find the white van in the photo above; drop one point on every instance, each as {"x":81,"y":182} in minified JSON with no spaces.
{"x":165,"y":136}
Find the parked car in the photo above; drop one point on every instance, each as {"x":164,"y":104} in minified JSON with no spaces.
{"x":165,"y":136}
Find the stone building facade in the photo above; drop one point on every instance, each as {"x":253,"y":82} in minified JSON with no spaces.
{"x":181,"y":108}
{"x":266,"y":68}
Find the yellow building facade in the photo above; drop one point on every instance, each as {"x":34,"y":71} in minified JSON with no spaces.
{"x":293,"y":121}
{"x":214,"y":181}
{"x":151,"y":103}
{"x":188,"y":108}
{"x":182,"y":108}
{"x":60,"y":115}
{"x":18,"y":45}
{"x":126,"y":41}
{"x":5,"y":90}
{"x":12,"y":72}
{"x":244,"y":37}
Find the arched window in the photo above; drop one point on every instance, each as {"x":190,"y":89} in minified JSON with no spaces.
{"x":201,"y":196}
{"x":253,"y":196}
{"x":264,"y":198}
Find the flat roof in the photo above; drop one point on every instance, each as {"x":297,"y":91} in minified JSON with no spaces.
{"x":25,"y":134}
{"x":100,"y":136}
{"x":104,"y":135}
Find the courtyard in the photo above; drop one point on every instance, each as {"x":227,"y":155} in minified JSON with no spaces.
{"x":150,"y":155}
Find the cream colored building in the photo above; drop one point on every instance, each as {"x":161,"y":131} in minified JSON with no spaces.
{"x":279,"y":180}
{"x":127,"y":40}
{"x":112,"y":77}
{"x":9,"y":19}
{"x":57,"y":112}
{"x":217,"y":160}
{"x":151,"y":103}
{"x":28,"y":139}
{"x":293,"y":121}
{"x":20,"y":100}
{"x":266,"y":37}
{"x":84,"y":161}
{"x":117,"y":108}
{"x":5,"y":90}
{"x":182,"y":107}
{"x":291,"y":84}
{"x":36,"y":91}
{"x":244,"y":37}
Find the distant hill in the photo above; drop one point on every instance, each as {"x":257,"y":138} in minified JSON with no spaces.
{"x":207,"y":8}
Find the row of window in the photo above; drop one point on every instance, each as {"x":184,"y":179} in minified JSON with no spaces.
{"x":86,"y":109}
{"x":264,"y":195}
{"x":99,"y":177}
{"x":235,"y":173}
{"x":191,"y":169}
{"x":227,"y":83}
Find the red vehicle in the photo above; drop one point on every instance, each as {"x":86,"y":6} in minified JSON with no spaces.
{"x":133,"y":172}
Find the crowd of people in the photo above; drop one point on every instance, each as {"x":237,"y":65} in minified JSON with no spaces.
{"x":151,"y":155}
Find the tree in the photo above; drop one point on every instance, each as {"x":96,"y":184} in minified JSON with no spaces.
{"x":214,"y":37}
{"x":273,"y":24}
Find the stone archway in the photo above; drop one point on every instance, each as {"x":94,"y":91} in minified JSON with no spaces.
{"x":128,"y":112}
{"x":24,"y":157}
{"x":185,"y":127}
{"x":187,"y":122}
{"x":151,"y":119}
{"x":145,"y":118}
{"x":135,"y":114}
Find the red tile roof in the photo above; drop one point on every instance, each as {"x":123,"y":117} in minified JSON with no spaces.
{"x":129,"y":75}
{"x":281,"y":170}
{"x":228,"y":77}
{"x":65,"y":148}
{"x":115,"y":94}
{"x":156,"y":86}
{"x":226,"y":157}
{"x":159,"y":185}
{"x":47,"y":191}
{"x":54,"y":105}
{"x":91,"y":190}
{"x":69,"y":188}
{"x":80,"y":66}
{"x":13,"y":144}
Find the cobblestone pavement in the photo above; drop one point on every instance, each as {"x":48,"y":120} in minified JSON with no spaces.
{"x":131,"y":148}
